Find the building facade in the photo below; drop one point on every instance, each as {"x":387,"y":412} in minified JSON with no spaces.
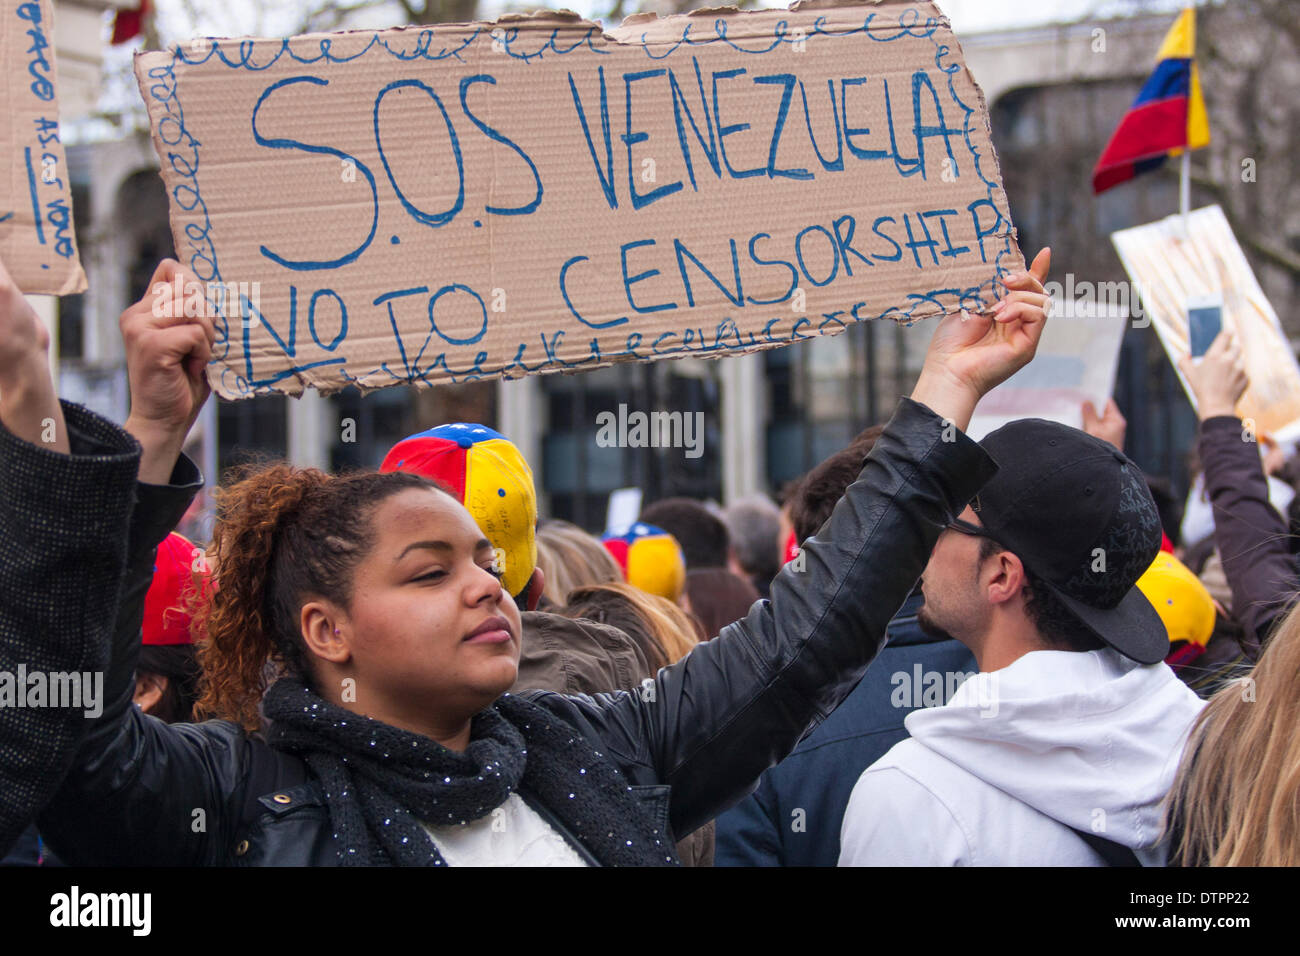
{"x":767,"y":417}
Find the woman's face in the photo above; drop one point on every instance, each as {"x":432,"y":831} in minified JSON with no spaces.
{"x":432,"y":635}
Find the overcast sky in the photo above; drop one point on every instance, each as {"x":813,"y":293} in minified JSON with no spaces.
{"x":179,"y":20}
{"x":973,"y":16}
{"x":279,"y":17}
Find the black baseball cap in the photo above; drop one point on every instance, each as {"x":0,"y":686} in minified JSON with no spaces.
{"x":1078,"y":513}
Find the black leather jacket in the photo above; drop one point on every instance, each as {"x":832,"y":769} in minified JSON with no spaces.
{"x":692,"y":745}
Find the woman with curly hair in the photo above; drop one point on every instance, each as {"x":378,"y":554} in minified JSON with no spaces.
{"x":392,"y":740}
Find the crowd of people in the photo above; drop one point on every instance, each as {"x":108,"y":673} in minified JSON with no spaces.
{"x":932,"y":651}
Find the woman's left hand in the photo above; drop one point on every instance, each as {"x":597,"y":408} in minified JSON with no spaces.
{"x":29,"y":405}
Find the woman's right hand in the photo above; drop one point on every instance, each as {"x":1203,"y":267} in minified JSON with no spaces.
{"x":29,"y":406}
{"x":24,"y":339}
{"x":1219,"y":379}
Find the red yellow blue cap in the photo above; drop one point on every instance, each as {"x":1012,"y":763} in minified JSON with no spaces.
{"x":651,"y":559}
{"x":491,"y":478}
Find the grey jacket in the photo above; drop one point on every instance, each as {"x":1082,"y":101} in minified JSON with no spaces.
{"x":63,"y":523}
{"x":573,"y":656}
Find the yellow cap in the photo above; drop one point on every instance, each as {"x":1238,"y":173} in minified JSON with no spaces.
{"x":650,"y":558}
{"x":1180,"y":599}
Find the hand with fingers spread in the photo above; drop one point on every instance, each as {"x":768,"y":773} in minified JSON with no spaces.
{"x":167,"y":353}
{"x":971,"y":353}
{"x":1109,"y":426}
{"x":29,"y":406}
{"x":1219,"y":379}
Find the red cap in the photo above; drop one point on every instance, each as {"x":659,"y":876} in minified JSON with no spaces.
{"x":177,"y":570}
{"x":791,"y":548}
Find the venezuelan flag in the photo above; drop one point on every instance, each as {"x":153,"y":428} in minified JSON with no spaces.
{"x":1167,"y":117}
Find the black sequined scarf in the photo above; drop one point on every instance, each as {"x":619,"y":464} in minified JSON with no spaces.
{"x":380,"y":782}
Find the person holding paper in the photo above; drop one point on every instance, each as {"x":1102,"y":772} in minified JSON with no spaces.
{"x":1109,"y":425}
{"x":1249,"y":534}
{"x":391,"y":739}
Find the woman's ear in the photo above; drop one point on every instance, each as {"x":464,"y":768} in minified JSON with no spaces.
{"x":325,"y":632}
{"x":536,"y":585}
{"x":149,"y":689}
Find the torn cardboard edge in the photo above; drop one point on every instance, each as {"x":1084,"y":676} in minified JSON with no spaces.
{"x":38,"y":241}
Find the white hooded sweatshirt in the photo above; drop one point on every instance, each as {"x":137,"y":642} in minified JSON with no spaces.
{"x":998,"y":775}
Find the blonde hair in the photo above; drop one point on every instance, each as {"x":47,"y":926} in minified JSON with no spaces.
{"x":671,"y":632}
{"x":1236,"y":797}
{"x":570,"y":558}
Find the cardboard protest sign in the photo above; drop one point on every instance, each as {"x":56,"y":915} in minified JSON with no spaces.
{"x":1169,"y":267}
{"x":458,"y":202}
{"x":37,"y":243}
{"x":1076,"y":362}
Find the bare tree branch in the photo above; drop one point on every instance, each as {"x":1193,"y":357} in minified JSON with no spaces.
{"x":1278,"y":256}
{"x":616,"y":14}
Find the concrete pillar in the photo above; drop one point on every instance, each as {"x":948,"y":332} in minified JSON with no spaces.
{"x":521,"y":417}
{"x":46,"y":308}
{"x":311,"y":432}
{"x":744,"y":413}
{"x":207,"y":425}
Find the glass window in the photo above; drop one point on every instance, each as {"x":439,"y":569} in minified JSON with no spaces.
{"x":364,"y":429}
{"x":250,"y":429}
{"x":821,"y":394}
{"x":71,"y":308}
{"x":578,"y":472}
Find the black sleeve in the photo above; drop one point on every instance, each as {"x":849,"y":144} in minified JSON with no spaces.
{"x":142,"y":792}
{"x":738,"y":704}
{"x":1252,"y":538}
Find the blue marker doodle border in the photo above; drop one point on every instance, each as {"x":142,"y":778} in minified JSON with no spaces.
{"x":183,"y":159}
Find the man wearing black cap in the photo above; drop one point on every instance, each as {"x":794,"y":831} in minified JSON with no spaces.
{"x":1061,"y":750}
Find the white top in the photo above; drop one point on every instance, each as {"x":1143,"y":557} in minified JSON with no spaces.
{"x":513,"y":834}
{"x":1018,"y":756}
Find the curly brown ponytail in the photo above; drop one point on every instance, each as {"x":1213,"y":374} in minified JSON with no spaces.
{"x":282,"y":533}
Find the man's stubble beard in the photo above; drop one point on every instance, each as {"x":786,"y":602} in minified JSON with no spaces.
{"x":928,"y":625}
